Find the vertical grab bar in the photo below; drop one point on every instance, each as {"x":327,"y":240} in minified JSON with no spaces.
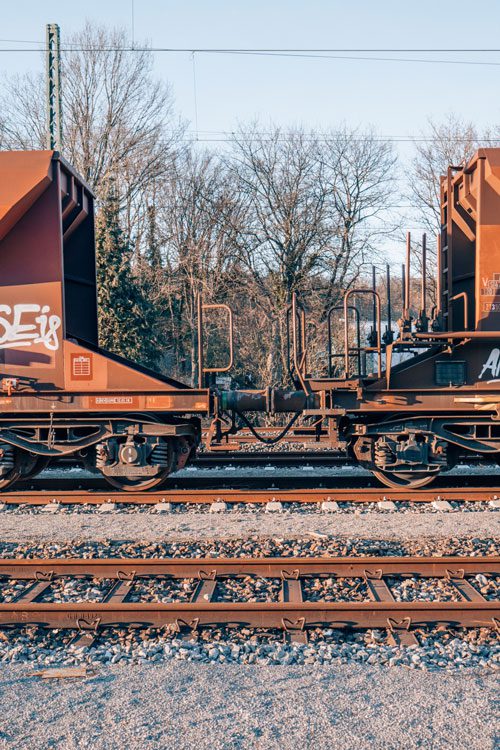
{"x":355,"y":310}
{"x":378,"y":348}
{"x":202,"y":370}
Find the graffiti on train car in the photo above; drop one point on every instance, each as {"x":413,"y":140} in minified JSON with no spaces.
{"x":28,"y":324}
{"x":491,"y":366}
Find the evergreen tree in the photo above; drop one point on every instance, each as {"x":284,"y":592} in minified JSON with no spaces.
{"x":126,"y":316}
{"x":153,"y":253}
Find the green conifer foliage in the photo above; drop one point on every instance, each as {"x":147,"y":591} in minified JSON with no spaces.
{"x":126,"y":316}
{"x":153,"y":254}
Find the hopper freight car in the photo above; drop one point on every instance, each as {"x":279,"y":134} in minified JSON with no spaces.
{"x":61,"y":394}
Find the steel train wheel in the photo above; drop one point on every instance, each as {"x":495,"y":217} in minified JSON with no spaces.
{"x":128,"y":484}
{"x":23,"y":466}
{"x":23,"y":470}
{"x":9,"y":479}
{"x":40,"y":464}
{"x":411,"y":481}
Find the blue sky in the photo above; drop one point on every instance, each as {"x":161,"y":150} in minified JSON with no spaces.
{"x":396,"y":97}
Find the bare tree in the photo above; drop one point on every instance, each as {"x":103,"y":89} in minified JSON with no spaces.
{"x":198,"y":220}
{"x":451,"y":142}
{"x":118,"y":121}
{"x":312,"y":206}
{"x":361,"y":170}
{"x":286,"y":237}
{"x":22,"y":103}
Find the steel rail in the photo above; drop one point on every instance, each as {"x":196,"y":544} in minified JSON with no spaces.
{"x":254,"y":614}
{"x":361,"y":495}
{"x":287,"y":458}
{"x":291,"y":613}
{"x":258,"y":458}
{"x":265,"y":567}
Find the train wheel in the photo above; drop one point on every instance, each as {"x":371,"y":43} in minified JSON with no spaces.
{"x":136,"y":484}
{"x":410,"y":481}
{"x":8,"y":479}
{"x":12,"y":462}
{"x":40,"y":464}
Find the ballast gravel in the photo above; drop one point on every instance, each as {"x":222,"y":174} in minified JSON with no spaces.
{"x":248,"y":590}
{"x":334,"y":590}
{"x":451,"y":650}
{"x":276,"y":546}
{"x":168,"y":526}
{"x":273,"y":506}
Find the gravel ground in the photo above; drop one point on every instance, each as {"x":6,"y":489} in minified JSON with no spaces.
{"x":245,"y":508}
{"x":459,"y":649}
{"x":253,"y":547}
{"x":62,"y":526}
{"x":335,"y":590}
{"x":232,"y":707}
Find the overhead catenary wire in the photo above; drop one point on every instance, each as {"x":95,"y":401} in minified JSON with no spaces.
{"x":302,"y":50}
{"x":266,"y":137}
{"x":318,"y":54}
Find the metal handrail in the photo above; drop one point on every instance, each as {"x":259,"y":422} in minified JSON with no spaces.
{"x":465,"y":297}
{"x":378,"y":348}
{"x":299,"y":366}
{"x":202,"y":370}
{"x":356,"y":352}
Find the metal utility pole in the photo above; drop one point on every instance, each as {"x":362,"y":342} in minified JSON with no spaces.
{"x":54,"y":110}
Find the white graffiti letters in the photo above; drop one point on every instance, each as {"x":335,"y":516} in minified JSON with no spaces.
{"x":25,"y":325}
{"x":492,"y":364}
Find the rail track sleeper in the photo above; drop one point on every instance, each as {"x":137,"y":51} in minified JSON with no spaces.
{"x":291,"y":591}
{"x":118,"y":593}
{"x":83,"y":640}
{"x":467,"y":591}
{"x":379,"y":591}
{"x":204,"y":591}
{"x":399,"y":633}
{"x":33,"y":592}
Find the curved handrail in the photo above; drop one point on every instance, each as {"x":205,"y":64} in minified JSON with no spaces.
{"x":378,"y":348}
{"x":358,"y":335}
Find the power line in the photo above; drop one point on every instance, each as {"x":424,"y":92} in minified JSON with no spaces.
{"x":20,"y":41}
{"x":333,"y":133}
{"x":378,"y":59}
{"x":277,"y":50}
{"x":228,"y":137}
{"x":311,"y":54}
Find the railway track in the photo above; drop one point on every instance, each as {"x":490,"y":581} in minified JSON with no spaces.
{"x":287,"y":608}
{"x":61,"y":494}
{"x":274,"y":458}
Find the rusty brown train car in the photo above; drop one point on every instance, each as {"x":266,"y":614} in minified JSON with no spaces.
{"x":62,"y":395}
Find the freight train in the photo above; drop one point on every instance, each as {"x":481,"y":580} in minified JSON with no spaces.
{"x":434,"y":391}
